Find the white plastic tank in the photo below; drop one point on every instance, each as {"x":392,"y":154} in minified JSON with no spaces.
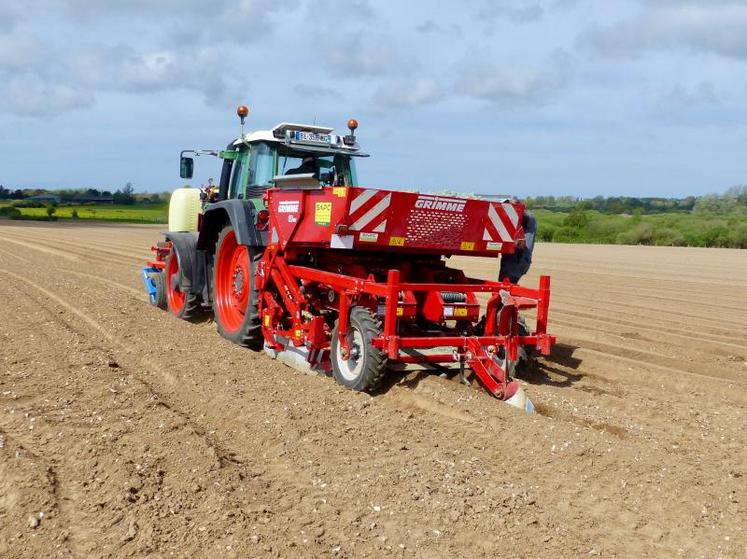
{"x":184,"y":208}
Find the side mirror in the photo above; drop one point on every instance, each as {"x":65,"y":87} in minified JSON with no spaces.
{"x":186,"y":167}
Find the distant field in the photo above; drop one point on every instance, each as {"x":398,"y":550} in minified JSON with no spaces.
{"x":152,"y":213}
{"x":701,"y":229}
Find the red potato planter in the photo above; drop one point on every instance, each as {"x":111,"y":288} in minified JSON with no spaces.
{"x":350,"y":281}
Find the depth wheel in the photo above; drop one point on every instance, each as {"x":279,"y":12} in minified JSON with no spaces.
{"x":159,"y":298}
{"x":235,"y":297}
{"x":182,"y":305}
{"x":366,"y":365}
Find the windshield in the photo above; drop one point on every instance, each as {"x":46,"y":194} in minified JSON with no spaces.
{"x":330,"y":170}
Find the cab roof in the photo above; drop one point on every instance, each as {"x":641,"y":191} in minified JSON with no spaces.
{"x":319,"y":139}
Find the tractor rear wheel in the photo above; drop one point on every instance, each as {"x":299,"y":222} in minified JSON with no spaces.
{"x":365,"y":366}
{"x":182,"y":305}
{"x":235,"y":297}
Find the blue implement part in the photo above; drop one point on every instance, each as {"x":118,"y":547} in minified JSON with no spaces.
{"x":150,"y":285}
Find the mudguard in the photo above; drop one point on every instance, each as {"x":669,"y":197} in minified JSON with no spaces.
{"x":186,"y":251}
{"x":241,"y":214}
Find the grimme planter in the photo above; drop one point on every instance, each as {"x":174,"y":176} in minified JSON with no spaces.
{"x":344,"y":280}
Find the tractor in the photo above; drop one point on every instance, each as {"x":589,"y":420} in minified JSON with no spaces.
{"x":291,"y":255}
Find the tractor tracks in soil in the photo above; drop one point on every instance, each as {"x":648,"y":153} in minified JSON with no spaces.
{"x":409,"y":398}
{"x":674,"y":314}
{"x":655,"y":329}
{"x":622,"y":439}
{"x":403,"y":395}
{"x":398,"y":395}
{"x":617,"y":350}
{"x":281,"y":473}
{"x":136,"y":293}
{"x":76,"y":525}
{"x":75,"y":252}
{"x":118,"y":351}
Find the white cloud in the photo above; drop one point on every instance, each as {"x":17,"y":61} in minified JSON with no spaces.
{"x":483,"y":77}
{"x":353,"y":55}
{"x":315,"y":91}
{"x":10,"y":14}
{"x":517,"y":12}
{"x":19,"y":52}
{"x":33,"y":96}
{"x":408,"y":93}
{"x":716,"y":27}
{"x":703,"y":93}
{"x":431,"y":26}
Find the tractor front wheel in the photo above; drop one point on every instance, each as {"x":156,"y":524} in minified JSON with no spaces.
{"x":235,"y":298}
{"x":365,"y":365}
{"x":182,"y":304}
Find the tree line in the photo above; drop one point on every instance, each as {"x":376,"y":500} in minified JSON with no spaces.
{"x":734,"y":200}
{"x":715,"y":220}
{"x":124,"y":196}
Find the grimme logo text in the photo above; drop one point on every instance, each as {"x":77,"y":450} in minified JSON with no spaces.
{"x":436,"y":203}
{"x":286,"y":207}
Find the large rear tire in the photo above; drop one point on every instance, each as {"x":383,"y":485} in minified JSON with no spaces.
{"x":235,"y":297}
{"x":364,"y":369}
{"x":182,"y":304}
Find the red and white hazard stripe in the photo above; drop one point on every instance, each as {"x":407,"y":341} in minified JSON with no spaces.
{"x":368,"y":210}
{"x":501,"y":224}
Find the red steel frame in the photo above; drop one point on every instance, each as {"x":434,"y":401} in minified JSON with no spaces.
{"x":303,"y":227}
{"x":475,"y":351}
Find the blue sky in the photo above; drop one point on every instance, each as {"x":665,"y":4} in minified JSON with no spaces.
{"x":562,"y":97}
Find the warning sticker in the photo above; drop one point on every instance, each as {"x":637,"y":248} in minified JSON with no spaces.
{"x":340,"y":191}
{"x":460,"y":311}
{"x":368,"y":237}
{"x":400,"y":311}
{"x":467,"y":245}
{"x":397,"y":241}
{"x":323,"y":213}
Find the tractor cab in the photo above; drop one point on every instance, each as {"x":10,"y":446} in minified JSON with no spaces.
{"x":288,"y":155}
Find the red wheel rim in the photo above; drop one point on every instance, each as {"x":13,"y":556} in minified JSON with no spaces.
{"x":232,"y":283}
{"x":176,"y":298}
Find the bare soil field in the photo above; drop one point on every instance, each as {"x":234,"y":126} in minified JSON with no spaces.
{"x":125,"y":432}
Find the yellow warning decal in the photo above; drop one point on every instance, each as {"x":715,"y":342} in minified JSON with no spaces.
{"x":467,"y":245}
{"x":460,"y":311}
{"x":323,"y":213}
{"x":340,"y":191}
{"x":299,"y":333}
{"x":267,"y":321}
{"x":397,"y":241}
{"x":400,"y":311}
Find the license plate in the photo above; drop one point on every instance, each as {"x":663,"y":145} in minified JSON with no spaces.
{"x":313,"y":137}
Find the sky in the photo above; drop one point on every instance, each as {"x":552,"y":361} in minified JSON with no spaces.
{"x":544,"y":97}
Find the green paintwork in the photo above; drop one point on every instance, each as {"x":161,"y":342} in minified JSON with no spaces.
{"x":232,"y":155}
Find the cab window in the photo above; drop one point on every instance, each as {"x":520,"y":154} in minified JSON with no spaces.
{"x":237,"y":184}
{"x":261,"y":170}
